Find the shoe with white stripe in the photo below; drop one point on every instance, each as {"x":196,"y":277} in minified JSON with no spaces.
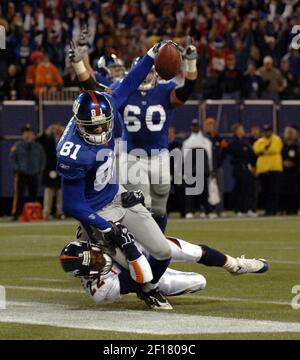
{"x":246,"y":266}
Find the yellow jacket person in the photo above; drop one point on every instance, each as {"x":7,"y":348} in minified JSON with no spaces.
{"x":268,"y":151}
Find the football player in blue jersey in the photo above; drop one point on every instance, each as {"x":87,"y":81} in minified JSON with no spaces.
{"x":147,"y":115}
{"x":90,"y":191}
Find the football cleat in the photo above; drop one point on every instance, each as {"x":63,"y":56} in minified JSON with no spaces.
{"x":155,"y":300}
{"x":247,"y":266}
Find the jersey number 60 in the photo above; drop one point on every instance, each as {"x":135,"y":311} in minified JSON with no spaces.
{"x":133,"y":123}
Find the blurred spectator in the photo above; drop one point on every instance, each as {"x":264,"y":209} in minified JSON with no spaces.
{"x":273,"y":82}
{"x":51,"y":180}
{"x":289,"y":185}
{"x":28,"y":161}
{"x":291,"y":83}
{"x":255,"y":134}
{"x":98,"y":52}
{"x":219,"y":151}
{"x":13,"y":85}
{"x":269,"y":166}
{"x":294,"y":61}
{"x":30,"y":80}
{"x":70,"y":79}
{"x":47,"y":78}
{"x":252,"y":83}
{"x":23,"y":51}
{"x":189,"y":148}
{"x":217,"y":53}
{"x":230,"y":80}
{"x":243,"y":162}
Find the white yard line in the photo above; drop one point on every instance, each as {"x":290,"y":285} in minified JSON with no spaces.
{"x":141,"y":322}
{"x":191,"y":296}
{"x":44,"y":289}
{"x":50,"y":280}
{"x":38,"y":223}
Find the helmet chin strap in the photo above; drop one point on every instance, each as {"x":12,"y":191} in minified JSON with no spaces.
{"x":97,"y":139}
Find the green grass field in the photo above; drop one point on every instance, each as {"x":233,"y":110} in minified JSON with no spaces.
{"x":35,"y":285}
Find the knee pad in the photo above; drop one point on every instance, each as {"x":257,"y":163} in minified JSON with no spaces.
{"x":164,"y":252}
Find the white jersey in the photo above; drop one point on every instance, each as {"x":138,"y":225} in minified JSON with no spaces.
{"x":107,"y":288}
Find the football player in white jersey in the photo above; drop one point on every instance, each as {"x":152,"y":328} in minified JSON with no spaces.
{"x":105,"y":279}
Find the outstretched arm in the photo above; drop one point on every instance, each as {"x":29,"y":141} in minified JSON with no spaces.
{"x":134,"y":78}
{"x":180,"y":95}
{"x":136,"y":75}
{"x":77,"y":58}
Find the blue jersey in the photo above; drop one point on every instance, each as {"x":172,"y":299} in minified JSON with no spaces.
{"x":147,"y":116}
{"x":88,"y":171}
{"x":103,"y":79}
{"x":95,"y":164}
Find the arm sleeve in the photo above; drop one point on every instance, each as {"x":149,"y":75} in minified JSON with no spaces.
{"x":91,"y":84}
{"x":75,"y":204}
{"x":132,"y":81}
{"x":184,"y":92}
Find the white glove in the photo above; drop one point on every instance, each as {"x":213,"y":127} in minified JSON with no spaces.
{"x":76,"y":58}
{"x":154,"y":50}
{"x":190,"y":55}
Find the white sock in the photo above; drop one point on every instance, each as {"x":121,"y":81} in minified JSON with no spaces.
{"x":230,"y":264}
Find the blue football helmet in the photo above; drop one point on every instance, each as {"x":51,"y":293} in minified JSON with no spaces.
{"x":111,"y":66}
{"x":94,"y":117}
{"x":151,"y":79}
{"x":79,"y":258}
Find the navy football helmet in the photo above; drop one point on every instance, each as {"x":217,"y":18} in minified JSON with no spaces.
{"x":151,"y":79}
{"x":111,"y":66}
{"x":80,"y":258}
{"x":94,"y":117}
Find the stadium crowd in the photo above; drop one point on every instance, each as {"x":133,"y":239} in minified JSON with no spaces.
{"x":243,"y":46}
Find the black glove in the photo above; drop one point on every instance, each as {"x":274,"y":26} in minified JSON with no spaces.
{"x":131,"y":198}
{"x":119,"y":236}
{"x":97,"y":237}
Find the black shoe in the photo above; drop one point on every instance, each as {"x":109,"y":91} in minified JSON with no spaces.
{"x":154,"y":300}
